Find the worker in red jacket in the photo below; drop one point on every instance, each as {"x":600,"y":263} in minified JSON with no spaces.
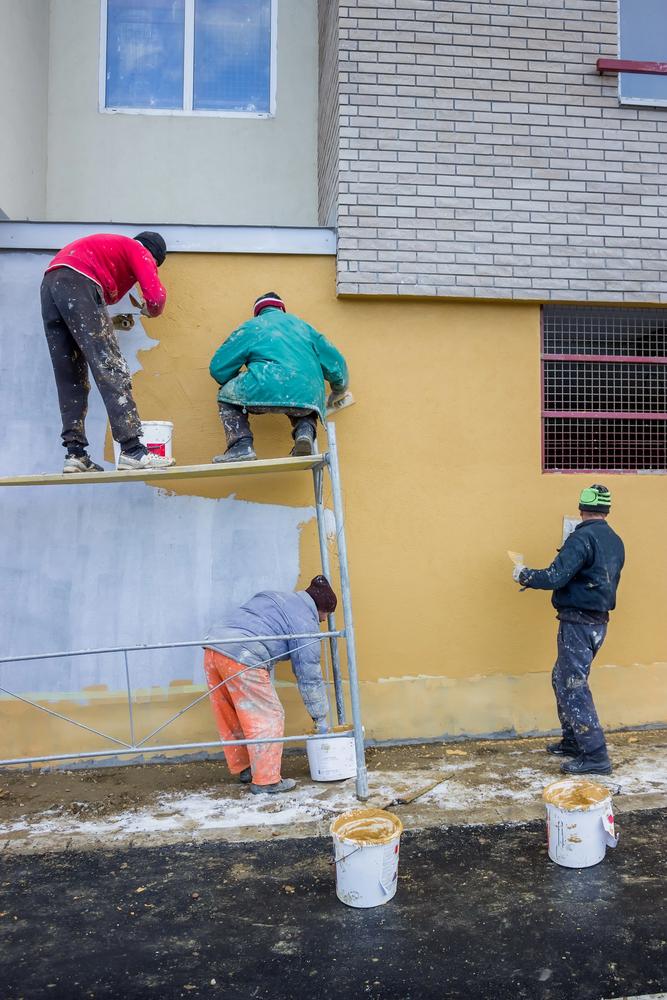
{"x":81,"y":280}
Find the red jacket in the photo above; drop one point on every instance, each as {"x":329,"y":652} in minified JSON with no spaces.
{"x":115,"y":263}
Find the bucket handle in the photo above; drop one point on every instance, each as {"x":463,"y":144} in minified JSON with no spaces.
{"x":611,"y":836}
{"x":337,"y":861}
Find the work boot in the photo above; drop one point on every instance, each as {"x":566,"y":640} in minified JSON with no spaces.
{"x":245,"y":776}
{"x":284,"y":785}
{"x":564,"y":748}
{"x":241,"y":451}
{"x":595,"y":762}
{"x":143,"y":460}
{"x":80,"y":463}
{"x":304,"y":439}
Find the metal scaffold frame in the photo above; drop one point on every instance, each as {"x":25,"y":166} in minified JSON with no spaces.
{"x":317,"y":464}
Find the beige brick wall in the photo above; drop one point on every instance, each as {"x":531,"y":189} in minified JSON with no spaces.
{"x":482,"y":155}
{"x":328,"y":118}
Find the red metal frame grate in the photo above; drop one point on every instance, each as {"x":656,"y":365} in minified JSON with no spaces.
{"x":604,"y":389}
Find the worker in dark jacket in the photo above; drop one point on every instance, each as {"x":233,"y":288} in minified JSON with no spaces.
{"x":79,"y":283}
{"x":584,"y":577}
{"x":239,"y":674}
{"x":286,"y":362}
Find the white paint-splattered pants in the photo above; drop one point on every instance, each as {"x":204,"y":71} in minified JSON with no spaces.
{"x":577,"y":646}
{"x":80,"y":335}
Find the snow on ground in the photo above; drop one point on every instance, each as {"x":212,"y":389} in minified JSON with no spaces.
{"x":476,"y":787}
{"x":206,"y":811}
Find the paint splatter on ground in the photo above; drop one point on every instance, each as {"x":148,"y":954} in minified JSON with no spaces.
{"x":427,"y":785}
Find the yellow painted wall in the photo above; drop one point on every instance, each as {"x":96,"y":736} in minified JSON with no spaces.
{"x":441,"y":475}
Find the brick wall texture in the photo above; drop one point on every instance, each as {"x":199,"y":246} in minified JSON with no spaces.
{"x":329,"y":119}
{"x":481,"y":155}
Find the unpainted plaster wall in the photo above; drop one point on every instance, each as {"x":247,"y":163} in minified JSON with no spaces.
{"x":24,"y":70}
{"x":441,"y":475}
{"x":176,"y":169}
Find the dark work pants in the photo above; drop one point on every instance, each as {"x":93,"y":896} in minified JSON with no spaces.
{"x":80,"y":336}
{"x":237,"y":424}
{"x":577,"y":646}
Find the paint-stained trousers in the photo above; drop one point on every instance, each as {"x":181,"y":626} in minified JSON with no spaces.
{"x":577,"y":646}
{"x":236,"y":423}
{"x":246,"y":707}
{"x":80,"y":336}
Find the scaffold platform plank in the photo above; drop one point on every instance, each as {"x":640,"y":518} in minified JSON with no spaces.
{"x":158,"y":476}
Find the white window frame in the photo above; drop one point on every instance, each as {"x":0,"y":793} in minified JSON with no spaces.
{"x":188,"y":74}
{"x":634,"y":102}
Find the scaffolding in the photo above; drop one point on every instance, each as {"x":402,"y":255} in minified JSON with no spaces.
{"x":318,"y":465}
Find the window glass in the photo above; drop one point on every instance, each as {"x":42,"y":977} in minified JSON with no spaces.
{"x":232,"y":55}
{"x":145,"y":53}
{"x":643,"y":36}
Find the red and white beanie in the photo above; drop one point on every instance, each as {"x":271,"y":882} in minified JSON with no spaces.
{"x":269,"y":300}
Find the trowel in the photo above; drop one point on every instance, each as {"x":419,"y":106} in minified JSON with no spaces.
{"x":338,"y":401}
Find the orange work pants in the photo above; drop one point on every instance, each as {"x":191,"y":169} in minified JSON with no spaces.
{"x":246,"y":707}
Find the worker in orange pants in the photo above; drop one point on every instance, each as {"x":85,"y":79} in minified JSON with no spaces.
{"x":238,"y":660}
{"x":246,"y":707}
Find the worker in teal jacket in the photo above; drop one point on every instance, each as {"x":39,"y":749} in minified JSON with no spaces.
{"x":286,"y":363}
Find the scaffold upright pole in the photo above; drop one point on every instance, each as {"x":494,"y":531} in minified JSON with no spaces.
{"x":339,"y":515}
{"x":318,"y":481}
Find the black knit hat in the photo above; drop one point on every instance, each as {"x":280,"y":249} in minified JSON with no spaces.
{"x":322,"y":594}
{"x":155,"y":245}
{"x":269,"y":300}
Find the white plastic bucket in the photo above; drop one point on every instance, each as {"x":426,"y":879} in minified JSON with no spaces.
{"x":580,"y":822}
{"x":334,"y":759}
{"x":156,"y":435}
{"x":366,"y":844}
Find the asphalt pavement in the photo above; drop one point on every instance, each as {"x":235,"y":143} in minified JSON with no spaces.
{"x":480,"y":913}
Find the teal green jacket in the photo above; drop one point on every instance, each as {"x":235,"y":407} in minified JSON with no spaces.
{"x":286,"y":362}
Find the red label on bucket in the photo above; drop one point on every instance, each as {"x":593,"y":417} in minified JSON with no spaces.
{"x":157,"y":449}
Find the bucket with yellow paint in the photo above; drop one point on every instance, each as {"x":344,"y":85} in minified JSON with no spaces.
{"x":156,"y":435}
{"x":580,"y":822}
{"x":332,"y":759}
{"x":366,"y":844}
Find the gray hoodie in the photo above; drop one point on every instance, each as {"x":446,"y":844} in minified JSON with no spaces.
{"x":274,"y":612}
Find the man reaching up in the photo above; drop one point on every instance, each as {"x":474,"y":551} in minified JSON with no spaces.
{"x":79,"y":283}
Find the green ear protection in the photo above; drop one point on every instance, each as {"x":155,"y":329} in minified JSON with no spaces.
{"x":595,"y":498}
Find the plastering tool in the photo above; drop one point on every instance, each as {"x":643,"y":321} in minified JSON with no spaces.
{"x":339,"y":402}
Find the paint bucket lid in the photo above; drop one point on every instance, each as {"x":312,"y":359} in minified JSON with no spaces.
{"x":576,"y":794}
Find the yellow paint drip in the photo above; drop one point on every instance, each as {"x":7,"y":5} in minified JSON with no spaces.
{"x":575,"y":793}
{"x":367,"y":827}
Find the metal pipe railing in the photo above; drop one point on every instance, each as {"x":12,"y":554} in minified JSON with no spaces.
{"x":164,"y":645}
{"x":169,"y":747}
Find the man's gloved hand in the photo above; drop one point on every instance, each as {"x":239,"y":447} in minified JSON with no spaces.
{"x":321,"y":725}
{"x":122,"y":321}
{"x":140,"y":304}
{"x":516,"y":573}
{"x":334,"y":395}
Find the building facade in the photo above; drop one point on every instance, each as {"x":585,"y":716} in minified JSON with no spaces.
{"x":497,"y":289}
